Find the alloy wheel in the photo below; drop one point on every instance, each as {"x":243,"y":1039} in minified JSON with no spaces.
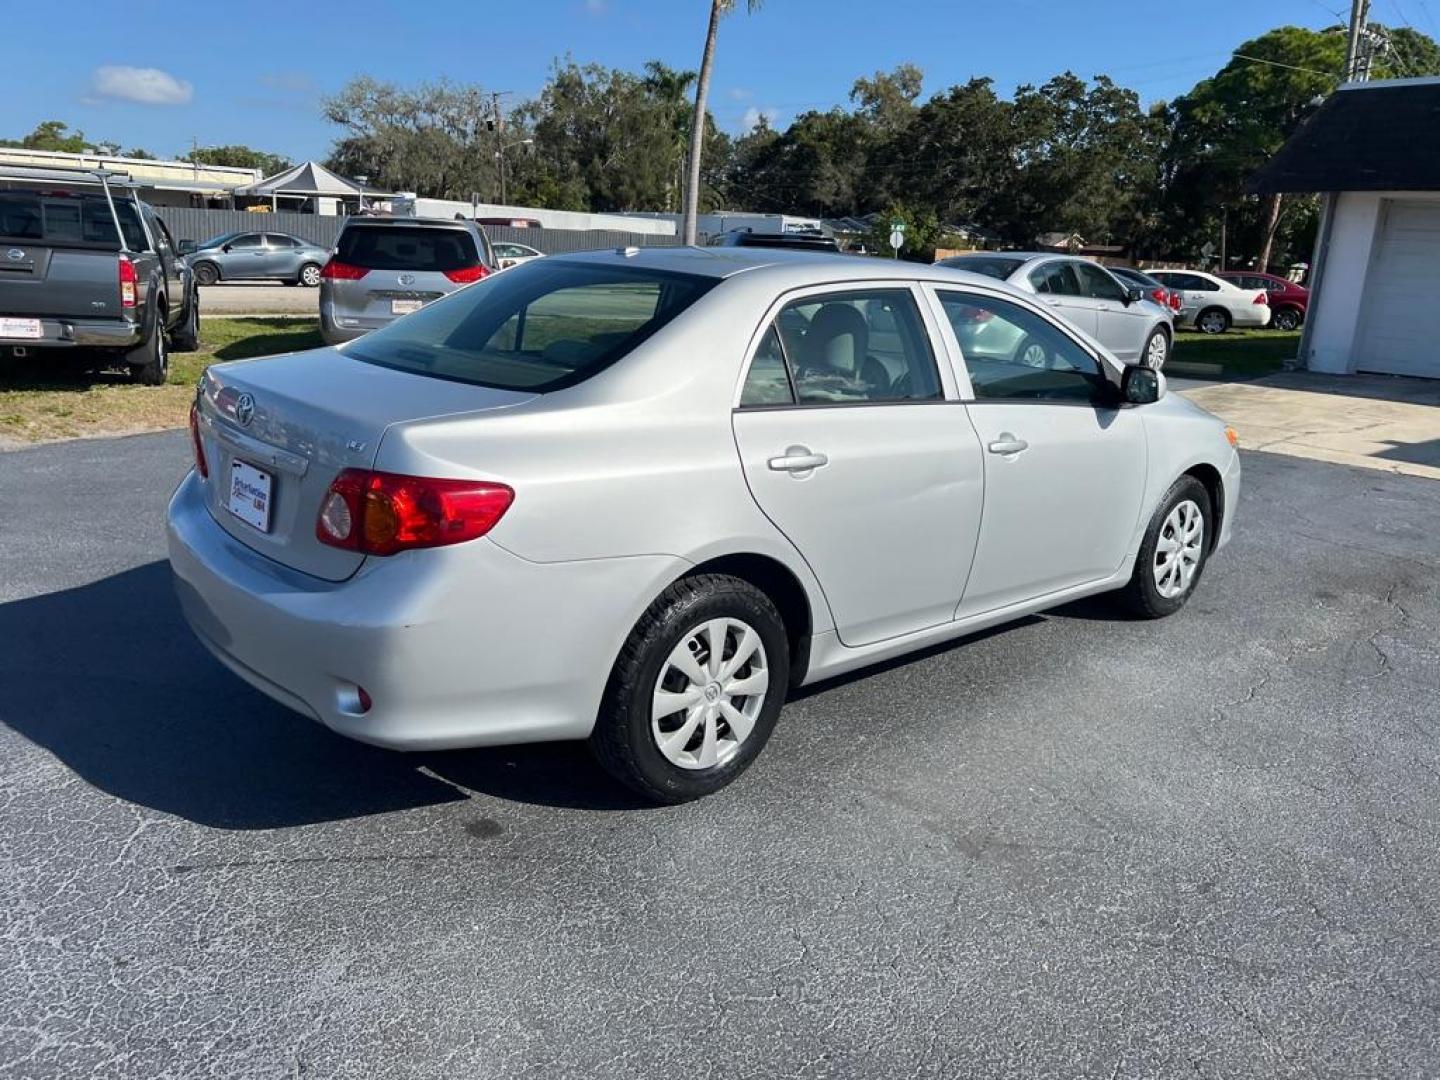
{"x":310,"y":276}
{"x":709,"y":694}
{"x":1178,"y":549}
{"x":1157,"y":351}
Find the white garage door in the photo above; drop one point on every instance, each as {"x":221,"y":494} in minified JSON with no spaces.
{"x":1400,"y":333}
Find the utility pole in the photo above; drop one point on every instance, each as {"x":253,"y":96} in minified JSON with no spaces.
{"x":499,"y":122}
{"x":195,"y":154}
{"x":1356,"y":69}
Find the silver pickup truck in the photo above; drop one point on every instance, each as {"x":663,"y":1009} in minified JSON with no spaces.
{"x":86,"y":268}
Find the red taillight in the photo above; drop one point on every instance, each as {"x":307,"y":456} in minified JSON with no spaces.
{"x":467,"y":274}
{"x":1261,"y":298}
{"x":381,"y":513}
{"x":335,"y":270}
{"x":1176,"y":303}
{"x":1160,"y":296}
{"x":200,"y":464}
{"x":128,"y":281}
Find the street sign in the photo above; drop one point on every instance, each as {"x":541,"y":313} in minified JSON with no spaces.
{"x":897,"y":226}
{"x":897,"y":238}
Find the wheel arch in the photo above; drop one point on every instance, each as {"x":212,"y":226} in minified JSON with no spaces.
{"x":1214,"y":485}
{"x":779,"y":583}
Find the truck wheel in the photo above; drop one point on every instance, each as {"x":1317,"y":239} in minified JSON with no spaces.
{"x":186,"y":336}
{"x":150,"y":360}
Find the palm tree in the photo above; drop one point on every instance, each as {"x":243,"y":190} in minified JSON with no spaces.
{"x":697,"y":125}
{"x":669,"y":88}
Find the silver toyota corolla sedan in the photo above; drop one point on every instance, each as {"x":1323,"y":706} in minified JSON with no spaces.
{"x":635,"y":497}
{"x":1134,"y":328}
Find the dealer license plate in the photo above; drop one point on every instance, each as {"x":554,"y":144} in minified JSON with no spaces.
{"x":405,"y":307}
{"x":29,"y":329}
{"x":249,"y":496}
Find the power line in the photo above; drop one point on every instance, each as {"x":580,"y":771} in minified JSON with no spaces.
{"x":1277,"y":63}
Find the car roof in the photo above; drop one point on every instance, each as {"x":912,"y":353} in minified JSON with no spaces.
{"x":423,"y":222}
{"x":783,"y":268}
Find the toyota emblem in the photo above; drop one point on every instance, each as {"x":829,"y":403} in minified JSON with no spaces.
{"x":245,"y":409}
{"x":15,"y":254}
{"x":406,"y":279}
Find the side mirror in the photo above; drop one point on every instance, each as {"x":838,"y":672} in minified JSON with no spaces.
{"x":185,"y":247}
{"x":1134,"y":294}
{"x":1141,"y":385}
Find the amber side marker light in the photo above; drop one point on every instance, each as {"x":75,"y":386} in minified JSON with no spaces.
{"x":1232,"y":436}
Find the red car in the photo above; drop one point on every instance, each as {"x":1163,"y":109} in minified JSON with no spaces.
{"x":1288,"y":301}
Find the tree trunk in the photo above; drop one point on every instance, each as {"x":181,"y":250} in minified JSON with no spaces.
{"x":697,"y":127}
{"x":1272,"y":222}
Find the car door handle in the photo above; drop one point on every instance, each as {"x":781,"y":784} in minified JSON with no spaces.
{"x":797,"y":459}
{"x":1008,"y":444}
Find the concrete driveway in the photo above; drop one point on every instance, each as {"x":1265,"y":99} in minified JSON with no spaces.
{"x":1076,"y":847}
{"x":1375,"y":421}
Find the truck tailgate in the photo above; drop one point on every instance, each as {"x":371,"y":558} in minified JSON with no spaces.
{"x":58,"y":283}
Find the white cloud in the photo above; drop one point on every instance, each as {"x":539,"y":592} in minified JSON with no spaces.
{"x":752,"y":117}
{"x":739,"y":93}
{"x":146,"y":86}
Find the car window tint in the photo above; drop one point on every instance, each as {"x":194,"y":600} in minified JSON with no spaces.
{"x":541,"y":326}
{"x":1097,"y":284}
{"x":1012,"y":353}
{"x":405,"y":247}
{"x":988,"y":265}
{"x":1204,"y":284}
{"x":768,"y":383}
{"x":249,"y":240}
{"x":856,"y":347}
{"x":1056,"y":278}
{"x":507,"y":251}
{"x":276,"y":240}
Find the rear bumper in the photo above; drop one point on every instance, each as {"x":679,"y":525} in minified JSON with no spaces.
{"x":1255,"y":315}
{"x":338,"y":329}
{"x":462,"y":646}
{"x":80,"y":334}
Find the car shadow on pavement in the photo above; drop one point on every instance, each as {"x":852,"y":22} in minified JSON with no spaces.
{"x":108,"y":678}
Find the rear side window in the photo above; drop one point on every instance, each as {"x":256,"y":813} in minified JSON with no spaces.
{"x":404,"y":247}
{"x":66,"y":220}
{"x":541,"y":326}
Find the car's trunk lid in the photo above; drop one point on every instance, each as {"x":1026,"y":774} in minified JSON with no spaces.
{"x":276,"y":432}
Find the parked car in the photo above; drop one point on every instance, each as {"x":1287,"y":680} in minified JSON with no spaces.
{"x":636,"y":496}
{"x":1118,"y":315}
{"x":387,"y":267}
{"x":1289,"y":301}
{"x":87,"y":268}
{"x":256,"y":256}
{"x":1165,"y":297}
{"x":793,"y":241}
{"x":1213,"y":305}
{"x":509,"y":254}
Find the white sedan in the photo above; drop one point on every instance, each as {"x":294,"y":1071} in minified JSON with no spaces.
{"x":1212,"y":305}
{"x":638,"y":496}
{"x":508,"y":253}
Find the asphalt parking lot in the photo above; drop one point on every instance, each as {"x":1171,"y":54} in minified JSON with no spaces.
{"x":258,"y":298}
{"x":1076,"y":847}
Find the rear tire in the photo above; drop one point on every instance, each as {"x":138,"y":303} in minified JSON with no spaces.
{"x":703,"y":750}
{"x":1286,"y":318}
{"x":1213,"y":321}
{"x":206,"y":273}
{"x":1173,"y":554}
{"x":186,"y":337}
{"x":309,"y":276}
{"x":150,"y":360}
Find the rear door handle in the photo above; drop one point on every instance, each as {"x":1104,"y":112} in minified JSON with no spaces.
{"x":1008,"y":444}
{"x":798,"y":459}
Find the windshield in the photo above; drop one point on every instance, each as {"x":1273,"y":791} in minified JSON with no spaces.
{"x":989,"y":265}
{"x":217,"y":241}
{"x":406,"y":247}
{"x":543,"y":325}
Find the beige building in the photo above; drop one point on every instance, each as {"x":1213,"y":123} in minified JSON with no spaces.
{"x":163,"y":183}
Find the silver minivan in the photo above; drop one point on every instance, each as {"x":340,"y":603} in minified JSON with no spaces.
{"x":383,"y":268}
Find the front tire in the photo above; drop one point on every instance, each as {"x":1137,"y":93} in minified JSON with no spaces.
{"x":206,"y":273}
{"x":696,"y":690}
{"x":1213,"y":321}
{"x":1157,"y":350}
{"x":1173,"y":554}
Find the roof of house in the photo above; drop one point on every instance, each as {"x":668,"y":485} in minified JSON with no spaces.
{"x":1375,"y":136}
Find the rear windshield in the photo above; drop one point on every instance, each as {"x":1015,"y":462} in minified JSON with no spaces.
{"x":543,"y":325}
{"x":988,"y":265}
{"x":68,"y":219}
{"x":406,"y":247}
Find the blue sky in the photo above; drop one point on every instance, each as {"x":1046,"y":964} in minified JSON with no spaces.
{"x":232,"y":73}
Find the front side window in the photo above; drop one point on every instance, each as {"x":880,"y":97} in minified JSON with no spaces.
{"x":850,"y":348}
{"x":248,"y":241}
{"x":1097,"y":284}
{"x":541,"y":326}
{"x":1014,"y":354}
{"x":1056,"y":279}
{"x":277,"y":241}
